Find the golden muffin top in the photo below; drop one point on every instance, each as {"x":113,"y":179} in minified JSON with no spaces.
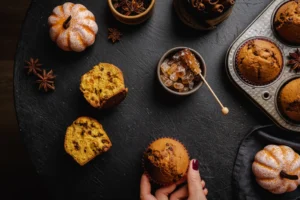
{"x":259,"y":61}
{"x":288,"y":13}
{"x":289,"y":99}
{"x":169,"y":160}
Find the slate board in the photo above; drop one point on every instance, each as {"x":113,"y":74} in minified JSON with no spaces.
{"x":148,"y":112}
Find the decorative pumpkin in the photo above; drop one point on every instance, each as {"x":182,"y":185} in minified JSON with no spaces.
{"x":72,"y":27}
{"x":277,"y":169}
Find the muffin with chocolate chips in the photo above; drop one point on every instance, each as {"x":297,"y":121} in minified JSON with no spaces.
{"x":289,"y":100}
{"x":287,"y":22}
{"x":166,"y":161}
{"x":103,"y":86}
{"x":259,"y":61}
{"x":85,"y":139}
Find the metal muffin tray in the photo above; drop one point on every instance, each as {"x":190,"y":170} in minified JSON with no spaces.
{"x":265,"y":97}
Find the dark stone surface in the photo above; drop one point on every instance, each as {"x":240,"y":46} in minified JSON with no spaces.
{"x":147,"y":113}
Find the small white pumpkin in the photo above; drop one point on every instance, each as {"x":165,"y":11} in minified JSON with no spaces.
{"x":277,"y":169}
{"x":72,"y":27}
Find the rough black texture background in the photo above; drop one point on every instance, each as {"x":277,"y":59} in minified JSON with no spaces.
{"x":147,"y":113}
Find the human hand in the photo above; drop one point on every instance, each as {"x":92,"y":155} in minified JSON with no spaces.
{"x":194,"y":190}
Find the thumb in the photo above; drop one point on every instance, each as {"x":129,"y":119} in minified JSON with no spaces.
{"x":194,"y":181}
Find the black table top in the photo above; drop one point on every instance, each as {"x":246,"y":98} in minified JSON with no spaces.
{"x":148,"y":112}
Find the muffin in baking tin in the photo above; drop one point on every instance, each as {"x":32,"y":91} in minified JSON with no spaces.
{"x":286,"y":22}
{"x":289,"y":100}
{"x":259,"y":61}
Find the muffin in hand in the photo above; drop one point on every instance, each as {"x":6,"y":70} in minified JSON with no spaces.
{"x":166,"y":161}
{"x":103,"y":86}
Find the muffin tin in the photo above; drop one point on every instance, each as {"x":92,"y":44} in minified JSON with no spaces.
{"x":266,"y":96}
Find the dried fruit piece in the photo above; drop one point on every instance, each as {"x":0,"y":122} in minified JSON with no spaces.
{"x":178,"y":86}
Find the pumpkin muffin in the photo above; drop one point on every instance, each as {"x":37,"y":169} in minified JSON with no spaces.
{"x":103,"y":86}
{"x":85,"y":139}
{"x":287,"y":22}
{"x":166,"y":161}
{"x":289,"y":100}
{"x":259,"y":62}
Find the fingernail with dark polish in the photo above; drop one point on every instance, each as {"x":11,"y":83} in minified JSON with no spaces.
{"x":195,"y":164}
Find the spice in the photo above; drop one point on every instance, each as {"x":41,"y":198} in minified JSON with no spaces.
{"x":214,"y":6}
{"x":114,"y":34}
{"x":119,"y":3}
{"x":33,"y":66}
{"x":294,"y":61}
{"x":46,"y":80}
{"x":129,"y":7}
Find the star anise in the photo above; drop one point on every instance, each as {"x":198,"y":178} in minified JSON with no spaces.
{"x":133,"y":7}
{"x":114,"y":34}
{"x":46,"y":80}
{"x":119,"y":3}
{"x":33,"y":66}
{"x":295,"y":60}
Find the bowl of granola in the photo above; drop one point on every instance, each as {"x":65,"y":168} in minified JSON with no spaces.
{"x":178,"y":71}
{"x":131,"y":12}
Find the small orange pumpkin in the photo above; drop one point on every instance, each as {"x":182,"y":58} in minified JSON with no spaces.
{"x":277,"y":169}
{"x":72,"y":27}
